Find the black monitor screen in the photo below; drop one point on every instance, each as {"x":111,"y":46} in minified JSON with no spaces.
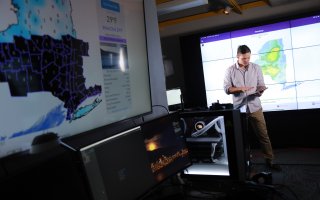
{"x":166,"y":146}
{"x":117,"y":168}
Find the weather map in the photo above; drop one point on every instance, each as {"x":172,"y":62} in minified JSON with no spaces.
{"x":40,"y":53}
{"x":273,"y":63}
{"x":45,"y":64}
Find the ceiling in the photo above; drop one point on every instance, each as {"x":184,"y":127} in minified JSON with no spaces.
{"x":177,"y":11}
{"x":183,"y":17}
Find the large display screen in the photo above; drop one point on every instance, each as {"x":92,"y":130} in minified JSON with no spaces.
{"x":287,"y":53}
{"x":70,"y":66}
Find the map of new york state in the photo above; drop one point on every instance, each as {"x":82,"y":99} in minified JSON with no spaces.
{"x":39,"y":52}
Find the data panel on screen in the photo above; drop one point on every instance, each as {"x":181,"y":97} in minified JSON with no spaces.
{"x":287,"y":53}
{"x":70,"y":66}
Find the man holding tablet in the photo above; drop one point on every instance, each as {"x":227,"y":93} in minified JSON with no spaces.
{"x":244,"y":80}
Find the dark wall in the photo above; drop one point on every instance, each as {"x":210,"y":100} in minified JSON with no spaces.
{"x":174,"y":79}
{"x":289,"y":129}
{"x":295,"y":128}
{"x":195,"y":95}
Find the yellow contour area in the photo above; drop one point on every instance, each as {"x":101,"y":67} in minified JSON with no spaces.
{"x":272,"y":70}
{"x":273,"y":55}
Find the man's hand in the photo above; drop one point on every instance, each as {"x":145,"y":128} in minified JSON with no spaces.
{"x":235,"y":90}
{"x":260,"y":90}
{"x":245,"y":89}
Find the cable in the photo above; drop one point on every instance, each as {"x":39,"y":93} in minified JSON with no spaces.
{"x":247,"y":189}
{"x":158,"y":105}
{"x":267,"y":188}
{"x":206,"y":127}
{"x":200,"y":197}
{"x":200,"y":194}
{"x":166,"y":190}
{"x":289,"y":189}
{"x":207,"y":191}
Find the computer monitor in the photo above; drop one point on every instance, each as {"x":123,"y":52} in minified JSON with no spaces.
{"x":216,"y":145}
{"x":130,"y":164}
{"x":118,"y":167}
{"x":62,"y":75}
{"x":166,"y":147}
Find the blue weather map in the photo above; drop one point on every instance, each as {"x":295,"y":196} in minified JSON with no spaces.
{"x":39,"y":52}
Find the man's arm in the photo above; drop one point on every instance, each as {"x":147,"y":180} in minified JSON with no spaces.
{"x":260,"y":90}
{"x":235,"y":90}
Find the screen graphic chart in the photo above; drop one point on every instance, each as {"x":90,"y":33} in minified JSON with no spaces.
{"x":287,"y":54}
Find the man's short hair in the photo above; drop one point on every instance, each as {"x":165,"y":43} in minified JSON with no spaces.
{"x":243,"y":49}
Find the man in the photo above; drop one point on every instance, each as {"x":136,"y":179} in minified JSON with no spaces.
{"x":244,"y":80}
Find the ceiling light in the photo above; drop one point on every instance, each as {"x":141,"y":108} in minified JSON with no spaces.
{"x":227,"y":10}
